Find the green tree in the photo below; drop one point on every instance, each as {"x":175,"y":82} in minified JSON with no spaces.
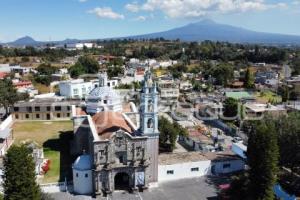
{"x":8,"y":94}
{"x":19,"y":175}
{"x":46,"y":69}
{"x":230,"y":107}
{"x":289,"y":140}
{"x":84,"y":65}
{"x":114,"y":71}
{"x":76,"y":70}
{"x":89,"y":63}
{"x":249,"y":79}
{"x":262,"y":157}
{"x":169,"y":133}
{"x":223,"y":73}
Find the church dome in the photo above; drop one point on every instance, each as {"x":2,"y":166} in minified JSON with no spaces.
{"x":83,"y":162}
{"x":103,"y":99}
{"x":103,"y":92}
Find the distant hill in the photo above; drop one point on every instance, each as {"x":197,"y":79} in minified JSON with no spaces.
{"x":199,"y":31}
{"x":24,"y":41}
{"x":210,"y":30}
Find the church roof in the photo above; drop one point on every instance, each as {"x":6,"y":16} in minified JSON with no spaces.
{"x":108,"y":122}
{"x":103,"y":92}
{"x":83,"y":162}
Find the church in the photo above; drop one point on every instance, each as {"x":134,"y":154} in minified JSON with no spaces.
{"x":113,"y":152}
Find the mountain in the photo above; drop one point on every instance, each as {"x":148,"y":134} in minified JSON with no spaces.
{"x":24,"y":41}
{"x":210,"y":30}
{"x":199,"y":31}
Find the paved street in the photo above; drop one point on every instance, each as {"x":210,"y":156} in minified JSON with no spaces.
{"x":188,"y":189}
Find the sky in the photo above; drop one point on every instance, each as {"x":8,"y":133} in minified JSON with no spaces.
{"x":51,"y":20}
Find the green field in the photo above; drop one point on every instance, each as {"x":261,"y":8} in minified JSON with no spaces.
{"x":54,"y":137}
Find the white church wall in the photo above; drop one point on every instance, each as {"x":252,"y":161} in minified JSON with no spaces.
{"x":227,"y":166}
{"x":82,"y":181}
{"x":183,"y":170}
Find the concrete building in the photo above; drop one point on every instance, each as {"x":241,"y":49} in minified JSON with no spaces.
{"x":257,"y":110}
{"x":43,"y":109}
{"x":169,"y":91}
{"x":176,"y":166}
{"x":75,"y":89}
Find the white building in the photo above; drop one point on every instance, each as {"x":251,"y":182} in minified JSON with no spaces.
{"x":75,"y":88}
{"x":80,"y":46}
{"x":176,"y":166}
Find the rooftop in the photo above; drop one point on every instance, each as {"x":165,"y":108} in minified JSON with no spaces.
{"x":176,"y":158}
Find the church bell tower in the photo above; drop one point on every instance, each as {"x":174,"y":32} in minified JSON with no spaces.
{"x":149,"y":124}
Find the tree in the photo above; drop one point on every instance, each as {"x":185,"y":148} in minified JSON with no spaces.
{"x":289,"y":140}
{"x":114,"y":71}
{"x":19,"y":175}
{"x":169,"y":133}
{"x":230,"y":107}
{"x":249,"y":79}
{"x":46,"y":69}
{"x":90,"y":65}
{"x":223,"y":73}
{"x":76,"y":70}
{"x":8,"y":94}
{"x":262,"y":157}
{"x":84,"y":65}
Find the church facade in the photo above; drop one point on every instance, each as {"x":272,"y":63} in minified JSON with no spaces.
{"x":121,"y":155}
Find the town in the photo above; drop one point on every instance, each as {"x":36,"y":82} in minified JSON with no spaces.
{"x":101,"y":120}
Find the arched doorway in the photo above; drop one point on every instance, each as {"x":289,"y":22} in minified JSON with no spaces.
{"x":122,"y":181}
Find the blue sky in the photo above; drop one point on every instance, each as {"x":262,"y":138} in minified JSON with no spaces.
{"x":85,"y":19}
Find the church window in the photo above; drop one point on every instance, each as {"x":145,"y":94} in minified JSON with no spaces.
{"x":121,"y":159}
{"x":76,"y":174}
{"x":86,"y":175}
{"x":195,"y":169}
{"x":150,"y":106}
{"x":170,"y":172}
{"x":150,"y":123}
{"x":105,"y":101}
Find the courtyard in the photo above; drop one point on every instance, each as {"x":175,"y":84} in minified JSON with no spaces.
{"x":203,"y":188}
{"x":53,"y":137}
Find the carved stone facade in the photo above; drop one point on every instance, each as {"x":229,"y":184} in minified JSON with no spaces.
{"x":121,"y":154}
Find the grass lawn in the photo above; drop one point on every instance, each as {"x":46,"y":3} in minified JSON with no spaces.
{"x":268,"y":96}
{"x":54,"y":137}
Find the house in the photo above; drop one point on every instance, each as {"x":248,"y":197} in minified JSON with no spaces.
{"x":44,"y":109}
{"x":257,"y":110}
{"x":19,"y":84}
{"x":293,"y":86}
{"x":169,"y":91}
{"x":75,"y":88}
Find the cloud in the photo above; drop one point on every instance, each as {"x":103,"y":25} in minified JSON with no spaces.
{"x":197,"y":8}
{"x":106,"y":12}
{"x":140,"y":18}
{"x":132,"y":7}
{"x":82,"y":1}
{"x":296,"y":2}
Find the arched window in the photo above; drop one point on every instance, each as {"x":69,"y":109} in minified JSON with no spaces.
{"x":150,"y":123}
{"x":150,"y":106}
